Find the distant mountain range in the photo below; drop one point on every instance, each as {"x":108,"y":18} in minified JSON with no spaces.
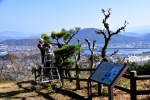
{"x":91,"y":35}
{"x":16,"y":35}
{"x":20,"y":42}
{"x":139,"y":29}
{"x":123,"y":37}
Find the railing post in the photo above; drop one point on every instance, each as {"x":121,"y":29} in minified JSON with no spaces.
{"x":99,"y":89}
{"x":35,"y":74}
{"x":133,"y":74}
{"x":77,"y":78}
{"x":61,"y":70}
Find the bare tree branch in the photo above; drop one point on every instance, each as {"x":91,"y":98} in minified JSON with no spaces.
{"x":107,"y":33}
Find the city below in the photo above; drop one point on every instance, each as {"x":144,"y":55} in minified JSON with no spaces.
{"x":132,"y":53}
{"x":4,"y":49}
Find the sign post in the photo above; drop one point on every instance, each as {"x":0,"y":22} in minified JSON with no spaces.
{"x":107,"y":73}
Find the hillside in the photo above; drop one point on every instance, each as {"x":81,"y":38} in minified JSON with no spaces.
{"x":20,"y":42}
{"x":82,"y":35}
{"x":26,"y":90}
{"x":91,"y":35}
{"x":146,"y":38}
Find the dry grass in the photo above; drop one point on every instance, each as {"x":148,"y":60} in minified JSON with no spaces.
{"x":25,"y":91}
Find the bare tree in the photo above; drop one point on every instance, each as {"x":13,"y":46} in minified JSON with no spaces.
{"x":108,"y":34}
{"x":91,"y":48}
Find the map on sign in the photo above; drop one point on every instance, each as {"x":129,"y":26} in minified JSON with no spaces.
{"x":106,"y":72}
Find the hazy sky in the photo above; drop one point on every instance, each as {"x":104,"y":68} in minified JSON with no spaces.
{"x":53,"y":15}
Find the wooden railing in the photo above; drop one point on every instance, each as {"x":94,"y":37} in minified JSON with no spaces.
{"x":133,"y":77}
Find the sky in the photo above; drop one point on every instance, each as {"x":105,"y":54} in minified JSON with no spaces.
{"x":46,"y":16}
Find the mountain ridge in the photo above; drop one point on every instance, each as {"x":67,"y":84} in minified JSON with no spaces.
{"x":82,"y":34}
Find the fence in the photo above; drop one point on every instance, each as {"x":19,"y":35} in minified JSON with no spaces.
{"x":133,"y":77}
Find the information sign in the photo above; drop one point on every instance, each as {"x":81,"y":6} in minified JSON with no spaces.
{"x":107,"y":72}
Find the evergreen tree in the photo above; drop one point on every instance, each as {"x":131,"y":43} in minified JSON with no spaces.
{"x":65,"y":52}
{"x":45,"y":37}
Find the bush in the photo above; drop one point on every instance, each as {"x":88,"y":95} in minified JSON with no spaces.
{"x":141,"y":69}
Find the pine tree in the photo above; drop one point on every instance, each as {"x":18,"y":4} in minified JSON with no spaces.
{"x":64,"y":51}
